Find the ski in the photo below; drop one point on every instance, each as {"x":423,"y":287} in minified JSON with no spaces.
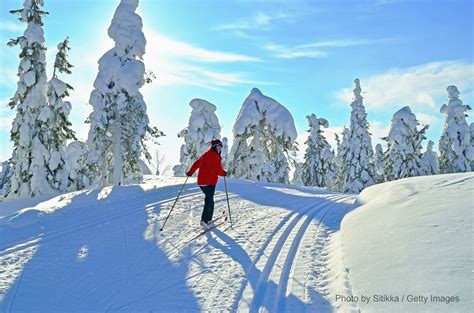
{"x":197,"y":229}
{"x":204,"y":232}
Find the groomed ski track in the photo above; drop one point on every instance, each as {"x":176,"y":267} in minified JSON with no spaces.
{"x":274,"y":259}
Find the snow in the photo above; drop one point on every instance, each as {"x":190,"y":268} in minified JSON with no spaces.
{"x":455,"y":146}
{"x":29,"y":78}
{"x":203,"y":127}
{"x":277,"y":116}
{"x":119,"y":120}
{"x":430,"y":160}
{"x":264,"y":140}
{"x":355,"y":163}
{"x":101,"y":249}
{"x":318,"y":169}
{"x":403,"y":155}
{"x":412,"y":237}
{"x":34,"y":34}
{"x":58,"y":85}
{"x":126,"y":30}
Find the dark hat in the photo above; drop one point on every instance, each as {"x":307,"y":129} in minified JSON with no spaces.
{"x":216,"y":142}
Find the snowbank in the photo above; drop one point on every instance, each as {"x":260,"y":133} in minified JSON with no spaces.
{"x":408,"y":245}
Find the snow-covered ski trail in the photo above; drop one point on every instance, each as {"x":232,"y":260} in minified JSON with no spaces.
{"x":271,"y":288}
{"x":266,"y":262}
{"x":85,"y":223}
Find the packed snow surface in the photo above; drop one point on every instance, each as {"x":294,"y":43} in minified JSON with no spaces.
{"x":408,"y":245}
{"x":102,"y":250}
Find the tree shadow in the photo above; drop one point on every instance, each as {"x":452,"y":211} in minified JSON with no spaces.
{"x":260,"y":286}
{"x":92,"y":256}
{"x":276,"y":195}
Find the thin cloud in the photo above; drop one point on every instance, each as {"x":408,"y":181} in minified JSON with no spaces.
{"x":176,"y":62}
{"x":11,"y":27}
{"x":313,"y":49}
{"x":172,"y":74}
{"x":6,"y":123}
{"x":283,"y":52}
{"x":166,"y":46}
{"x":428,"y":119}
{"x":179,"y":63}
{"x":8,"y":76}
{"x":420,"y":87}
{"x":346,"y":43}
{"x":259,"y":21}
{"x":6,"y":115}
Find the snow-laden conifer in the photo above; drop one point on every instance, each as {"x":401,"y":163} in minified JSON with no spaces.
{"x":202,"y":128}
{"x":318,"y":157}
{"x":340,"y":159}
{"x":378,"y":164}
{"x":225,"y":152}
{"x":5,"y":176}
{"x":455,"y":147}
{"x":297,"y":174}
{"x":60,"y":126}
{"x":31,"y":159}
{"x":430,"y":160}
{"x":403,"y":155}
{"x":119,"y":121}
{"x":471,"y":128}
{"x":264,"y":136}
{"x":358,"y":167}
{"x":238,"y":162}
{"x":330,"y":163}
{"x":77,"y":166}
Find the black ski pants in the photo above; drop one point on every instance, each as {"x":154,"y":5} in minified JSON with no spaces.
{"x":208,"y":202}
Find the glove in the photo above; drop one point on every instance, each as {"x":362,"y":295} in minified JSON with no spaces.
{"x":189,"y":174}
{"x":225,"y":173}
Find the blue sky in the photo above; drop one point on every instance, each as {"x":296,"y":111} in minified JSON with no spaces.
{"x":304,"y":54}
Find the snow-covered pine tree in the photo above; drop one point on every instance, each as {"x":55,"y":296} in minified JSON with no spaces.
{"x":358,"y":167}
{"x":318,"y":156}
{"x":455,"y":147}
{"x":378,"y":163}
{"x":403,"y":156}
{"x":202,"y":128}
{"x":297,"y":174}
{"x":430,"y":160}
{"x":330,"y":178}
{"x":5,"y":176}
{"x":238,"y":163}
{"x":225,"y":151}
{"x":31,"y":174}
{"x":340,"y":159}
{"x":119,"y":123}
{"x":471,"y":128}
{"x":76,"y":165}
{"x":264,"y":137}
{"x":61,"y":132}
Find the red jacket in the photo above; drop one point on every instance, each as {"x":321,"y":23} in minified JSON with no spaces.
{"x":210,"y":167}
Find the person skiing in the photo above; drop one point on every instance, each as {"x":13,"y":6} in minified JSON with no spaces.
{"x":210,"y":167}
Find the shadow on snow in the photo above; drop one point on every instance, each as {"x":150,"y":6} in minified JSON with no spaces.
{"x":104,"y":262}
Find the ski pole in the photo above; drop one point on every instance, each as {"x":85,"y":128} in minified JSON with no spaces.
{"x":161,"y":229}
{"x":228,"y":205}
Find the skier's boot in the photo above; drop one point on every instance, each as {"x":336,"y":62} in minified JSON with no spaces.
{"x":204,"y":225}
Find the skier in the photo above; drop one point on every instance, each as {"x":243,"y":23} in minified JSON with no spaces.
{"x":210,"y":167}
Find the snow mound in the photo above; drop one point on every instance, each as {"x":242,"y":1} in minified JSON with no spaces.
{"x":410,"y":239}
